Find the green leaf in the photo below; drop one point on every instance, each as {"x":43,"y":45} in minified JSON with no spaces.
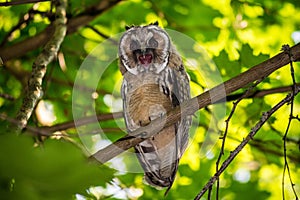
{"x":227,"y":67}
{"x":56,"y":170}
{"x":248,"y":59}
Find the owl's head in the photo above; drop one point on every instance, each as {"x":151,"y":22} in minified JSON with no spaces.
{"x":144,"y":49}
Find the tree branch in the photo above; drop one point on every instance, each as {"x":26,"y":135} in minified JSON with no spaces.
{"x":39,"y":67}
{"x":19,"y":2}
{"x":32,"y":43}
{"x":81,"y":122}
{"x":7,"y":96}
{"x":216,"y":94}
{"x":262,"y":93}
{"x":114,"y":42}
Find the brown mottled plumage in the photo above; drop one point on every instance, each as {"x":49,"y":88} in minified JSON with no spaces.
{"x":154,"y":82}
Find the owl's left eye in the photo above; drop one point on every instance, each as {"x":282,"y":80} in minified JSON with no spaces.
{"x":134,"y":45}
{"x":153,"y":43}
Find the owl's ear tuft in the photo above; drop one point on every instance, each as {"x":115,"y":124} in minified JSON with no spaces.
{"x":128,"y":27}
{"x":154,"y":23}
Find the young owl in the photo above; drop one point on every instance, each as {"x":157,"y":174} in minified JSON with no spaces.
{"x":154,"y":82}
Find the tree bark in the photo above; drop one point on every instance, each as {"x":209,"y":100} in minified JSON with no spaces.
{"x":39,"y":67}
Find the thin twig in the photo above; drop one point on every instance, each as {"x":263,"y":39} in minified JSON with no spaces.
{"x":286,"y":167}
{"x":246,"y":93}
{"x":268,"y":148}
{"x":7,"y":96}
{"x":36,"y":131}
{"x":114,"y":42}
{"x":254,"y":130}
{"x":50,"y":130}
{"x":296,"y":117}
{"x":39,"y":66}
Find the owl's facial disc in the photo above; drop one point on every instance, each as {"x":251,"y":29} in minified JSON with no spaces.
{"x":144,"y":49}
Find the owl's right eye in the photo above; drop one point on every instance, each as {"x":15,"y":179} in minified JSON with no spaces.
{"x":153,"y":43}
{"x":134,"y":45}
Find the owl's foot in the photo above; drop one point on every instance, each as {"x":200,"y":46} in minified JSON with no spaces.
{"x":144,"y":122}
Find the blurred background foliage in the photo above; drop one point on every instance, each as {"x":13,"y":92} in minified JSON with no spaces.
{"x":236,"y":34}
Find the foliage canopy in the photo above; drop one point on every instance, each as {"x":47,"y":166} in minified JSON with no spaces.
{"x":236,"y":34}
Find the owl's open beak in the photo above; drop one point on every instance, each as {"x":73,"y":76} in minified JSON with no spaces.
{"x":145,"y":59}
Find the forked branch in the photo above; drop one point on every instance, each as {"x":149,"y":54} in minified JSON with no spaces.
{"x":252,"y":133}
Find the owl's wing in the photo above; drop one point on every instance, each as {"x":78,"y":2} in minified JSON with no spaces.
{"x":177,"y":82}
{"x":180,"y":92}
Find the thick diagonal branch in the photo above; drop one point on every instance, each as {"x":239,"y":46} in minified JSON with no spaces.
{"x":34,"y":90}
{"x":217,"y":93}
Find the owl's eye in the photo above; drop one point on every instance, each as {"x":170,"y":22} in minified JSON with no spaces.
{"x":153,"y":43}
{"x":134,"y":45}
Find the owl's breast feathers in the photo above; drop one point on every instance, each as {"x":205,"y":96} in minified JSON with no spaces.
{"x":147,"y":103}
{"x":149,"y":98}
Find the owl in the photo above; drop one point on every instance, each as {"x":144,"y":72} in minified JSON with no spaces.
{"x":154,"y":82}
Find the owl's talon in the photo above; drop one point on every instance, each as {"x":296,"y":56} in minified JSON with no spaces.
{"x":144,"y":123}
{"x":161,"y":115}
